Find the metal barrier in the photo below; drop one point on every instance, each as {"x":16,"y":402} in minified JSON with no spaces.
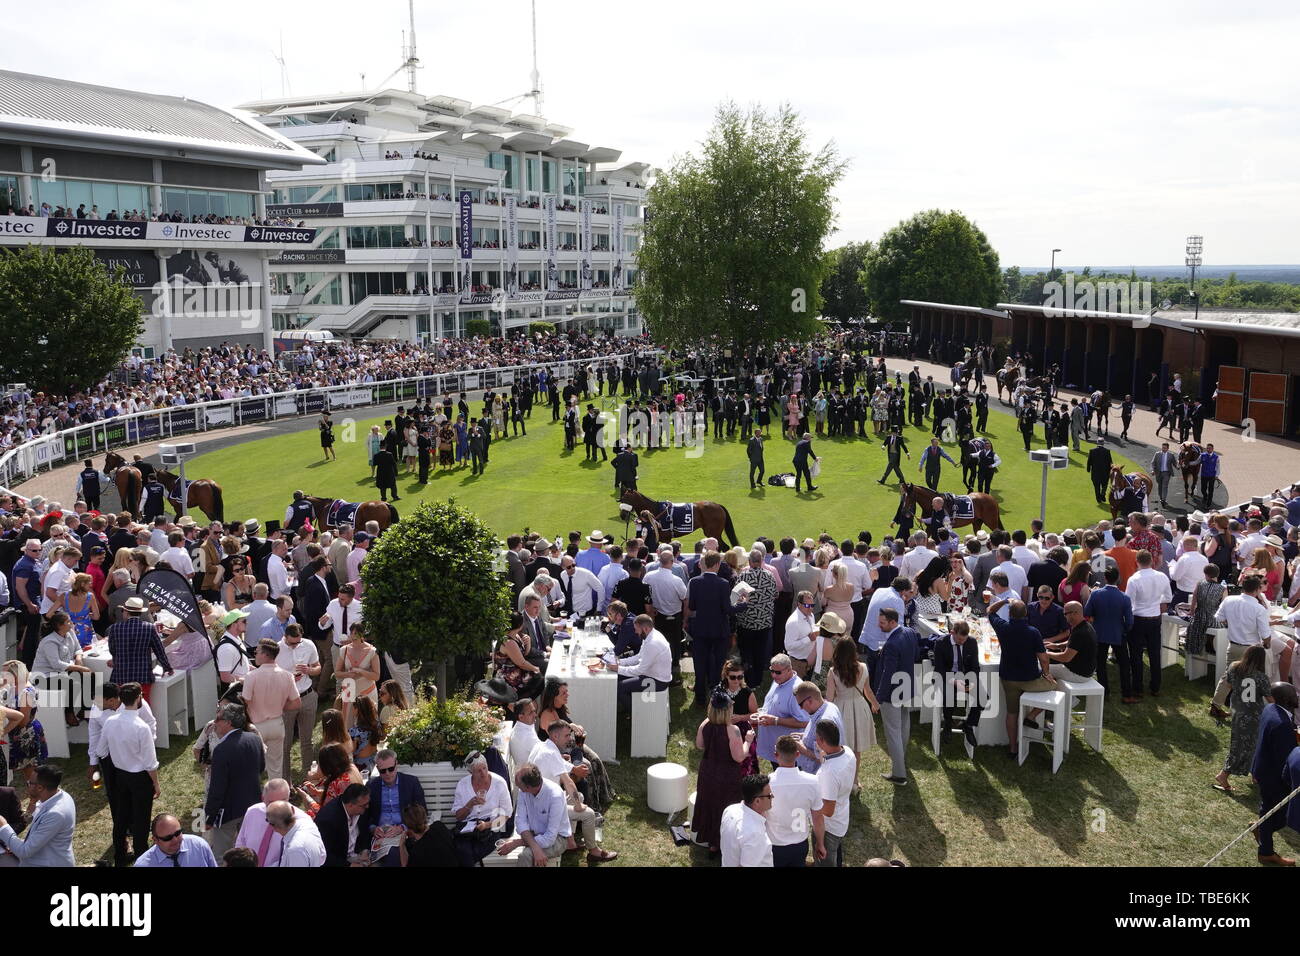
{"x":124,"y":431}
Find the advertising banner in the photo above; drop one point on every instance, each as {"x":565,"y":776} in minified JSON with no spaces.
{"x":617,"y":242}
{"x":584,"y":229}
{"x":512,"y":247}
{"x":548,"y":224}
{"x":220,"y":415}
{"x":172,"y":591}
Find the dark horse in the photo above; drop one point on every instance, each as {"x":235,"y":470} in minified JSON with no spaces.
{"x":379,"y":511}
{"x":201,"y":493}
{"x":1128,"y":496}
{"x":1189,"y":462}
{"x":708,"y":516}
{"x":985,"y":506}
{"x":1101,"y":411}
{"x":128,"y":480}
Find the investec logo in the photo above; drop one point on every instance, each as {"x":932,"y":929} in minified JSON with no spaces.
{"x":182,"y":230}
{"x":14,"y":226}
{"x":1070,"y":299}
{"x":98,"y":229}
{"x":78,"y":910}
{"x":263,"y":234}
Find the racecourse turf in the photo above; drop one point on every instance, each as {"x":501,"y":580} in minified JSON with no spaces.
{"x":533,"y":482}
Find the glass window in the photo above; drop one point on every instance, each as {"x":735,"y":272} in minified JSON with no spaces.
{"x":79,"y":193}
{"x":8,"y":194}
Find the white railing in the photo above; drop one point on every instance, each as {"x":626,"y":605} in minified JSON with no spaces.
{"x":124,"y":431}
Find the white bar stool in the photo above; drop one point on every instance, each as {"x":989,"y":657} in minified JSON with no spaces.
{"x":1089,"y":720}
{"x":667,"y":787}
{"x":1054,"y":701}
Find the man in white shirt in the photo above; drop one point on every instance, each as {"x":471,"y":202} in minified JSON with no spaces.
{"x":130,"y":746}
{"x":800,"y":632}
{"x":340,"y":614}
{"x":1188,"y":571}
{"x":549,"y":758}
{"x":542,"y":820}
{"x":744,"y":836}
{"x":277,"y":573}
{"x":301,"y":844}
{"x":1017,"y":579}
{"x":1255,"y":538}
{"x":301,"y":659}
{"x":260,"y":610}
{"x":256,"y":833}
{"x":1246,"y":619}
{"x":581,"y":589}
{"x":58,"y":582}
{"x":796,"y":809}
{"x":1020,"y":552}
{"x":838,"y":773}
{"x":610,"y":575}
{"x":650,"y":668}
{"x":913,"y":563}
{"x":1149,"y":591}
{"x":177,"y":558}
{"x":481,"y":800}
{"x":667,"y":593}
{"x":158,"y":537}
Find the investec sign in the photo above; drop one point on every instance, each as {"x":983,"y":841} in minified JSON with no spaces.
{"x":37,"y":228}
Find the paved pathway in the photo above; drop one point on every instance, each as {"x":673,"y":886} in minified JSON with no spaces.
{"x":1249,"y":467}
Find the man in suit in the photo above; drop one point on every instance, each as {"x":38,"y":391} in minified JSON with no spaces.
{"x":49,"y":836}
{"x":1126,"y":415}
{"x":932,"y":457}
{"x":386,"y":474}
{"x":1111,"y":612}
{"x":1099,"y":462}
{"x":802,"y":452}
{"x":591,"y":433}
{"x":1196,"y":416}
{"x":342,"y":824}
{"x":1272,"y":751}
{"x":708,"y":621}
{"x":895,"y":445}
{"x":1162,"y":469}
{"x":388,"y":812}
{"x":957,"y":659}
{"x":893,"y":689}
{"x":478,"y":446}
{"x":755,"y":452}
{"x":238,"y":759}
{"x":625,"y":465}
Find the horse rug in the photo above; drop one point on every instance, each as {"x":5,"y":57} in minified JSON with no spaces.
{"x":180,"y":491}
{"x":341,"y":512}
{"x":961,"y":506}
{"x":677,"y":519}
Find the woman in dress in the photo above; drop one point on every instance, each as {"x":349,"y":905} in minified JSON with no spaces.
{"x":359,"y":663}
{"x":1263,"y":567}
{"x":849,"y":689}
{"x":720,"y":772}
{"x":238,"y":590}
{"x":392,"y":700}
{"x":1219,"y":548}
{"x":498,"y":417}
{"x":367,"y":733}
{"x":1205,"y":603}
{"x":879,"y":411}
{"x":333,"y":730}
{"x":932,"y":587}
{"x":27,"y":748}
{"x":410,"y":446}
{"x":334,"y":772}
{"x":327,"y":436}
{"x":792,"y":417}
{"x":841,"y":594}
{"x":446,"y":445}
{"x":1249,"y":685}
{"x":744,"y":704}
{"x":510,"y":658}
{"x":597,"y":791}
{"x":831,"y":628}
{"x":462,"y":441}
{"x":81,"y":606}
{"x":819,"y":411}
{"x":373,"y":443}
{"x":960,"y":584}
{"x":1075,"y":586}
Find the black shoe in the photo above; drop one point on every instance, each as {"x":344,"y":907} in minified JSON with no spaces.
{"x":395,"y":498}
{"x":969,"y":731}
{"x":812,"y":488}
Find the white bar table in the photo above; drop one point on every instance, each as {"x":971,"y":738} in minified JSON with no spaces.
{"x":593,"y":698}
{"x":169,"y":699}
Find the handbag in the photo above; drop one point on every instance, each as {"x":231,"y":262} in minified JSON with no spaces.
{"x":815,"y":469}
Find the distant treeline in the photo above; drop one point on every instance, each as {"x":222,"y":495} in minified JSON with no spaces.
{"x":1225,"y":293}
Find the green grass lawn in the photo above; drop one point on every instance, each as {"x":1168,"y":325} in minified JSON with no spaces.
{"x":1146,"y":800}
{"x":531,"y":481}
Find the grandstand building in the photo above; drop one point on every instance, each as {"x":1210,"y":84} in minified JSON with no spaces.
{"x":551,"y":225}
{"x":171,"y":189}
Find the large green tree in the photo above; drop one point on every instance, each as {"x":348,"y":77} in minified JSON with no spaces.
{"x":842,"y":294}
{"x":432,"y":587}
{"x":935,"y":256}
{"x":733,"y":249}
{"x":67,"y":319}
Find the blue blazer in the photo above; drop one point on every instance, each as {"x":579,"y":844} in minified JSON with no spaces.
{"x":709,"y":599}
{"x":1276,"y":741}
{"x":409,"y":791}
{"x":49,"y":836}
{"x":899,"y":655}
{"x":1111,"y":613}
{"x":1291,"y":780}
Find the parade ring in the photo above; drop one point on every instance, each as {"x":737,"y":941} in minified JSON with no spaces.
{"x":533,"y":482}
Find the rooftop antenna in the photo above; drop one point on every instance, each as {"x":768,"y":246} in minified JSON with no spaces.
{"x":535,"y":77}
{"x":412,"y":61}
{"x":284,"y":70}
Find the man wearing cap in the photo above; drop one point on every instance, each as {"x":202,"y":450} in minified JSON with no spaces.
{"x":232,"y":662}
{"x":594,"y":558}
{"x":357,"y":556}
{"x":133,"y":645}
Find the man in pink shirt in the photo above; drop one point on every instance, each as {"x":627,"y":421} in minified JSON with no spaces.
{"x":269,"y":693}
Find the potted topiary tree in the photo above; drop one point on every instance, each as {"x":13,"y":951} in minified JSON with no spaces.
{"x":432,"y":588}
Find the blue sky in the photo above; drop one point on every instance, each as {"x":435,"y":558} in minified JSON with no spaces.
{"x":1111,"y":130}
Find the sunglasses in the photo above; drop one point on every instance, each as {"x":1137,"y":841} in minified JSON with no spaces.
{"x":392,"y":769}
{"x":802,"y":604}
{"x":168,"y":839}
{"x":735,"y":677}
